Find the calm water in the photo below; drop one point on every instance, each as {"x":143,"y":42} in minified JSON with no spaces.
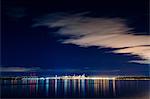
{"x":74,"y":88}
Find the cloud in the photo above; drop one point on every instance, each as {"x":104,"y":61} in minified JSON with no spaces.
{"x":19,"y":69}
{"x":141,"y":61}
{"x":101,"y":32}
{"x":38,"y":69}
{"x":141,"y":51}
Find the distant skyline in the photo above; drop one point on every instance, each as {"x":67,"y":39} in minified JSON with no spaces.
{"x":101,"y":37}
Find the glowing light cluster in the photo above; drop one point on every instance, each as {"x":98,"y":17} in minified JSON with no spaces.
{"x":74,"y":77}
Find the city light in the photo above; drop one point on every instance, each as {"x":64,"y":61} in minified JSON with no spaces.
{"x":87,"y":77}
{"x":74,"y":77}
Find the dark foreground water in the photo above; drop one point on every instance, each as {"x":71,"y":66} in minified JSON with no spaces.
{"x":75,"y":88}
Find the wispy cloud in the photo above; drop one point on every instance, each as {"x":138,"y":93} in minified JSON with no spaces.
{"x":19,"y":69}
{"x":38,"y":69}
{"x":101,"y":32}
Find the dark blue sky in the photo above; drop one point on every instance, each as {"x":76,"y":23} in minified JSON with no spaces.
{"x":25,"y":46}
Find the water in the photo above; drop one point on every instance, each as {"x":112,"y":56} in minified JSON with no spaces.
{"x":74,"y":88}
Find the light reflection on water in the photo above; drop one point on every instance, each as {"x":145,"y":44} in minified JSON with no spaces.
{"x":47,"y":87}
{"x":73,"y":88}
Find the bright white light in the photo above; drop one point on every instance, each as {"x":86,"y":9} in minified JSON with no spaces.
{"x":42,"y":78}
{"x":79,"y":77}
{"x":47,"y":78}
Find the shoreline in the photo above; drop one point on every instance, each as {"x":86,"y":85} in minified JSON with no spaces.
{"x":76,"y":77}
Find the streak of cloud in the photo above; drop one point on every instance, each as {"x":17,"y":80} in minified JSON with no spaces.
{"x":19,"y":69}
{"x":101,"y":32}
{"x":38,"y":69}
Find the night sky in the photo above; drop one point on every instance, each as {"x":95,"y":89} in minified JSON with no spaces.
{"x":97,"y":37}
